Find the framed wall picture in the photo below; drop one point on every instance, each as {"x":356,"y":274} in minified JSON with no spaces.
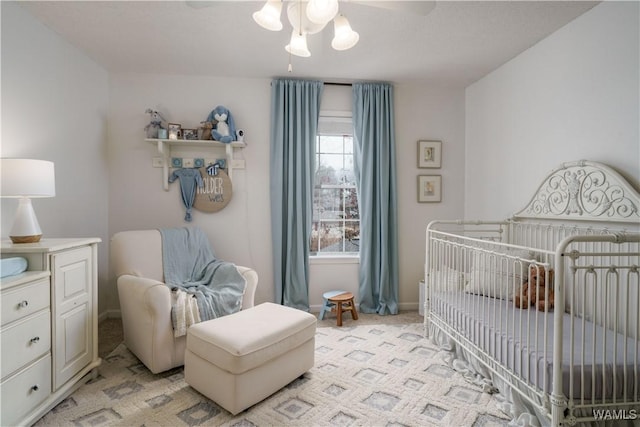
{"x":429,"y":154}
{"x":174,"y":130}
{"x":429,"y":188}
{"x":190,"y":134}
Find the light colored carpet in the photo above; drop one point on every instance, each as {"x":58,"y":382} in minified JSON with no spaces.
{"x":374,"y":375}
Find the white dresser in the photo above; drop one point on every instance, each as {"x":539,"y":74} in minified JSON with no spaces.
{"x":49,"y":326}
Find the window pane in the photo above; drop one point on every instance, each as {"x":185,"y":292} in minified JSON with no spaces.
{"x":352,"y":236}
{"x":313,"y":244}
{"x":348,"y":175}
{"x":330,"y":237}
{"x":335,"y":237}
{"x":333,"y":162}
{"x":348,"y":145}
{"x":336,"y":225}
{"x":325,"y":174}
{"x":332,"y":144}
{"x":351,"y":210}
{"x":327,"y":202}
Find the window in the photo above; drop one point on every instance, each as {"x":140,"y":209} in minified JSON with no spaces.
{"x":336,"y":216}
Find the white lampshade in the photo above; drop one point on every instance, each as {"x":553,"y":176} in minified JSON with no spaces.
{"x":298,"y":44}
{"x":24,"y":179}
{"x":28,"y":178}
{"x":296,"y":12}
{"x":269,"y":16}
{"x":322,"y":11}
{"x":344,"y":37}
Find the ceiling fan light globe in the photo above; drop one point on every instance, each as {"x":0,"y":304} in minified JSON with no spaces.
{"x":322,"y":11}
{"x":344,"y":37}
{"x":298,"y":45}
{"x":269,"y":16}
{"x":299,"y":20}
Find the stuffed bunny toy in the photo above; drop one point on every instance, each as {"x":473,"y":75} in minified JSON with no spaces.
{"x":224,"y":129}
{"x":155,"y":124}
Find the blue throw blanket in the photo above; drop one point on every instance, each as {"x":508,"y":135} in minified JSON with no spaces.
{"x":190,"y":266}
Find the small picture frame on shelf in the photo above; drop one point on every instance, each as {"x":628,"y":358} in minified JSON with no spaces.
{"x":429,"y":154}
{"x":174,"y":130}
{"x":190,"y":134}
{"x":429,"y":188}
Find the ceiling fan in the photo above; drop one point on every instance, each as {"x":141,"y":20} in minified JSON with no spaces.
{"x":311,"y":16}
{"x":416,"y":7}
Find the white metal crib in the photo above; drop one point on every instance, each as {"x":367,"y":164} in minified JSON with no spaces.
{"x":578,"y":362}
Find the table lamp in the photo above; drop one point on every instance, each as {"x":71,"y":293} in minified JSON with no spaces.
{"x":24,"y":179}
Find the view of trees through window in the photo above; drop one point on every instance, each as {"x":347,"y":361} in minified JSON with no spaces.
{"x":336,"y":217}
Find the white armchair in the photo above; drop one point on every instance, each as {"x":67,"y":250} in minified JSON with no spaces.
{"x":145,"y":301}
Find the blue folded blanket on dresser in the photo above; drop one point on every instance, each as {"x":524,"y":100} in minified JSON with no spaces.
{"x":12,"y":266}
{"x":190,"y":266}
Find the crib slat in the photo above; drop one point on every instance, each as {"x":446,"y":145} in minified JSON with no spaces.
{"x":594,"y":341}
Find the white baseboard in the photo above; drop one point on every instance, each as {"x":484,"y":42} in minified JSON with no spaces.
{"x":315,"y":308}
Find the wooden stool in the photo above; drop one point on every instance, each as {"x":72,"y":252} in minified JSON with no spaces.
{"x":345,"y":298}
{"x":326,"y":305}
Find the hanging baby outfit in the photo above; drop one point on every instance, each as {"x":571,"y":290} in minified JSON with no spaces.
{"x":189,"y":180}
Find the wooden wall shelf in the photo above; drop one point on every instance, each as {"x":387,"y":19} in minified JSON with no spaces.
{"x":165,"y":146}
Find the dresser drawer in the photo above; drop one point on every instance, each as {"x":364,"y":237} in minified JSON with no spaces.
{"x":23,"y":301}
{"x":24,"y":341}
{"x":22,"y":392}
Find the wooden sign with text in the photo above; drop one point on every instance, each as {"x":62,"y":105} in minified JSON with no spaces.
{"x":216,"y":192}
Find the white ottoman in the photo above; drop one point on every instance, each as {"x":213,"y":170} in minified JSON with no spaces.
{"x":240,"y":359}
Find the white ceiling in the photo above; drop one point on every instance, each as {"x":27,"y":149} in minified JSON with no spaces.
{"x":456,"y":44}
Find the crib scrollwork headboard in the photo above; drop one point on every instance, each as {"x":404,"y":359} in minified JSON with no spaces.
{"x":584,"y":190}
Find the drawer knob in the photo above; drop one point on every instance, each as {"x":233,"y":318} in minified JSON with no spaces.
{"x":34,"y":340}
{"x":23,"y":304}
{"x":35,"y":387}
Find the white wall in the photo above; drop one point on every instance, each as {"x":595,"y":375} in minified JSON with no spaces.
{"x":426,"y":113}
{"x":241,"y":232}
{"x":54,"y":107}
{"x":572,"y":96}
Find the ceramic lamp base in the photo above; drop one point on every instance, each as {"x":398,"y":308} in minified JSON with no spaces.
{"x":26,"y":239}
{"x":25,"y":225}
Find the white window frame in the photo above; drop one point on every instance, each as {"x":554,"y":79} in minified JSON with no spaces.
{"x":339,"y":118}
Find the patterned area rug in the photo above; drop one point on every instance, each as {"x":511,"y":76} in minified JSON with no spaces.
{"x":374,"y":375}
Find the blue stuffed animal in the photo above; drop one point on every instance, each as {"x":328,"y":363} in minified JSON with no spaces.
{"x":224,"y":129}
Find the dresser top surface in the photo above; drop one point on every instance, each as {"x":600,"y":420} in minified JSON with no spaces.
{"x":47,"y":245}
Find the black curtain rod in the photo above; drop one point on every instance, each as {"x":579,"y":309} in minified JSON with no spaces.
{"x":337,"y":84}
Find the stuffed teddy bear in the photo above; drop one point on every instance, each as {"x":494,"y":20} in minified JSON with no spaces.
{"x":204,"y":131}
{"x":533,"y":290}
{"x":155,"y":124}
{"x":224,"y":129}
